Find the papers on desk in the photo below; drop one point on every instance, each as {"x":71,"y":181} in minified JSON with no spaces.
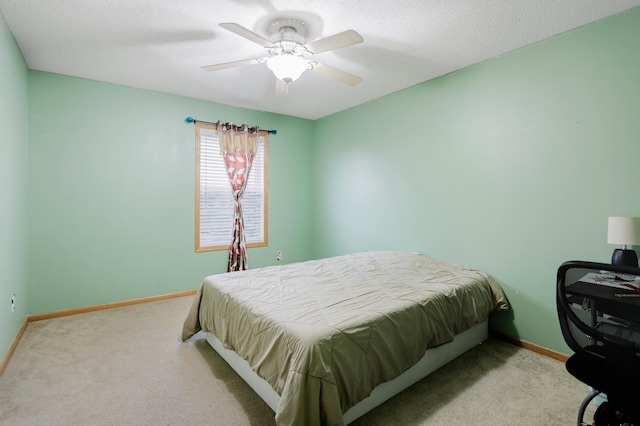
{"x":621,"y":281}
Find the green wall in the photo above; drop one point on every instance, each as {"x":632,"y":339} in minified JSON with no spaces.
{"x":511,"y":166}
{"x":13,"y":187}
{"x":112,"y":192}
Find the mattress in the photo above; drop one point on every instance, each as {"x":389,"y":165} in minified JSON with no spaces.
{"x":325,"y":333}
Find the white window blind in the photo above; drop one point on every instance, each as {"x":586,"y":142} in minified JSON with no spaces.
{"x":214,"y":197}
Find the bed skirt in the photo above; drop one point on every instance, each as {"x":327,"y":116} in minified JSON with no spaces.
{"x":433,"y":359}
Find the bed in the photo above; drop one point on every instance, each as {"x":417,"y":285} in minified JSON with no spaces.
{"x":324,"y":341}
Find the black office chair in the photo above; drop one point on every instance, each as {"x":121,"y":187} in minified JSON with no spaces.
{"x":599,"y":311}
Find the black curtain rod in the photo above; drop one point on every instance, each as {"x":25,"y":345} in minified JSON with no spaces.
{"x":189,"y":120}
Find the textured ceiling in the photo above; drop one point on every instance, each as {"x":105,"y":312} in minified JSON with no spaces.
{"x":161,"y":45}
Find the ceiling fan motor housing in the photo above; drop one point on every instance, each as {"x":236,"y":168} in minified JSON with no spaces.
{"x":288,"y":30}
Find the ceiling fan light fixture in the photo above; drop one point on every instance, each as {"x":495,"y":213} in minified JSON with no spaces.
{"x":287,"y":67}
{"x":287,"y":49}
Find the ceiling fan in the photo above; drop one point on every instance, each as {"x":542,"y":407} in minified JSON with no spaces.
{"x":288,"y":50}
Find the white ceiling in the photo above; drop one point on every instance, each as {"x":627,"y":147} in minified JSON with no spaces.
{"x":161,"y":45}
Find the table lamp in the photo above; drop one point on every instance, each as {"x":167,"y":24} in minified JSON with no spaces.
{"x":624,"y":231}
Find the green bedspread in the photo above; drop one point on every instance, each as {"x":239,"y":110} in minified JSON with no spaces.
{"x":325,"y":333}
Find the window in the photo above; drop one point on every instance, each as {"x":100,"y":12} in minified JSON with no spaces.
{"x":214,"y":198}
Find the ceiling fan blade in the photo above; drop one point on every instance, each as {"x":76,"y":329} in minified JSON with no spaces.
{"x":336,"y":74}
{"x":246,"y":33}
{"x":233,"y":64}
{"x":282,"y":88}
{"x":336,"y":41}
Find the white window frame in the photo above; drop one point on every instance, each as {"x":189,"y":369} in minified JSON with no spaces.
{"x":214,"y":213}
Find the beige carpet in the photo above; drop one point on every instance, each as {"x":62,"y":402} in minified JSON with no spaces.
{"x":127,"y":366}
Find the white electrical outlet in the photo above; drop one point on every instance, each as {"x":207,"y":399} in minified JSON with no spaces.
{"x":279,"y":255}
{"x":13,"y":303}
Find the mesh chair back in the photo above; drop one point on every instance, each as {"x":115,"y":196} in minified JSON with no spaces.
{"x":599,"y":311}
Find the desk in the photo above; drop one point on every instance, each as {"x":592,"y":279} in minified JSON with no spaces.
{"x":623,"y":312}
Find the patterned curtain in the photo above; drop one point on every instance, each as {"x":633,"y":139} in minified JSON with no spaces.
{"x":238,"y":146}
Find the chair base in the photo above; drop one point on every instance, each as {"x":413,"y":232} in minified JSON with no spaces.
{"x":583,"y":406}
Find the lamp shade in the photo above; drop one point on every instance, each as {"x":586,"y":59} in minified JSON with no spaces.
{"x":287,"y":67}
{"x":624,"y":231}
